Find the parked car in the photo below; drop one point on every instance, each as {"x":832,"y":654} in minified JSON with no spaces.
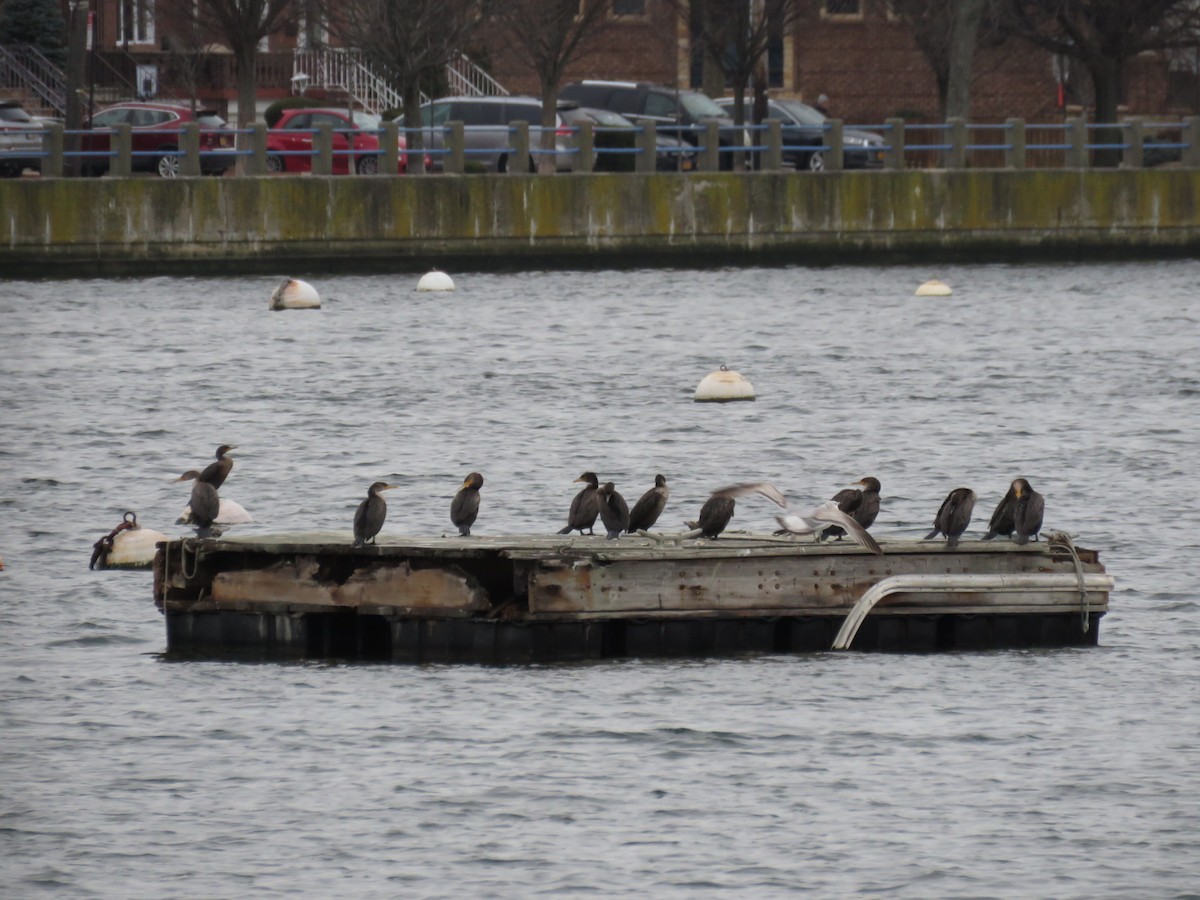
{"x":156,"y":128}
{"x":20,"y":140}
{"x":677,"y":113}
{"x":356,"y":144}
{"x":804,"y":126}
{"x":615,"y":132}
{"x":486,"y":136}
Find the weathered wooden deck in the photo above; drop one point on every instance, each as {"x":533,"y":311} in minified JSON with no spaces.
{"x":534,"y":598}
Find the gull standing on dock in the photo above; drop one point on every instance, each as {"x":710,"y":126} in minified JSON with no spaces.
{"x":205,"y":504}
{"x":953,"y":516}
{"x":614,"y":511}
{"x":862,"y":504}
{"x":650,"y":506}
{"x":368,"y":519}
{"x":464,"y":508}
{"x":585,"y":507}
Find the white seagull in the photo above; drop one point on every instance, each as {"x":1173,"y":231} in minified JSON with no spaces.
{"x":812,"y":522}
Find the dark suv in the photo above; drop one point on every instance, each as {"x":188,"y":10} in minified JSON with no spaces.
{"x":675,"y":112}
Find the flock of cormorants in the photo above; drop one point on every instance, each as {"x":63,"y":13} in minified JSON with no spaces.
{"x":850,"y":512}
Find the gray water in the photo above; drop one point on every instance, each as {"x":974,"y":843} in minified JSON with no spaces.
{"x":1071,"y":773}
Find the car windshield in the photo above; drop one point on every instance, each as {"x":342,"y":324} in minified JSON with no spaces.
{"x":13,"y":114}
{"x":801,"y":112}
{"x":366,"y":120}
{"x":700,"y":106}
{"x":209,"y":120}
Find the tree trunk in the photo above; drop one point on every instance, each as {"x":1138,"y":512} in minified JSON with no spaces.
{"x":414,"y":132}
{"x":964,"y":37}
{"x":1106,"y":87}
{"x":76,"y":65}
{"x":247,"y":99}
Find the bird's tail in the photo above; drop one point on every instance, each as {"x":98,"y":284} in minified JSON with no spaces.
{"x":932,"y":534}
{"x":567,"y":530}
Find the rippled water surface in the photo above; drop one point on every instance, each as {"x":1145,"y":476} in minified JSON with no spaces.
{"x":1070,"y":773}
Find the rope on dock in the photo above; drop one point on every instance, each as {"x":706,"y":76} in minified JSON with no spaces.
{"x":183,"y":561}
{"x":1061,"y":541}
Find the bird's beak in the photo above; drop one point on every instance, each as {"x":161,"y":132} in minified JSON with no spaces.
{"x":466,"y":483}
{"x":1017,"y":491}
{"x":390,"y":486}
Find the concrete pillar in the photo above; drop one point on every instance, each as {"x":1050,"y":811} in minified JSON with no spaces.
{"x":710,"y":156}
{"x":122,"y":143}
{"x":322,"y":162}
{"x":585,"y":144}
{"x":1077,"y":137}
{"x":895,"y":139}
{"x":256,"y":164}
{"x":455,"y":161}
{"x":1134,"y":135}
{"x":835,"y":156}
{"x":773,"y":158}
{"x":52,"y":146}
{"x":1190,"y":155}
{"x":189,"y":144}
{"x":1014,"y":154}
{"x":956,"y":156}
{"x":389,"y":160}
{"x":647,"y":147}
{"x":518,"y":159}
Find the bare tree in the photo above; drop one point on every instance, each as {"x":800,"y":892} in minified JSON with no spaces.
{"x":410,"y":41}
{"x":1104,"y":35}
{"x":188,"y":52}
{"x":547,"y":36}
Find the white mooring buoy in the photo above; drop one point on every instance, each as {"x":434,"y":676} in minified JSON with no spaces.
{"x":293,"y":293}
{"x":724,"y":385}
{"x":934,"y":288}
{"x":229,"y":512}
{"x":434,"y":280}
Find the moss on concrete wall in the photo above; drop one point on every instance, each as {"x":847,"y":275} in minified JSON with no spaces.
{"x":142,"y":224}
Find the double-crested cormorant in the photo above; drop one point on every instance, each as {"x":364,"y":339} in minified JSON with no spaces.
{"x":1020,"y":512}
{"x":862,"y":505}
{"x":464,"y":508}
{"x":215,"y":473}
{"x":714,"y":514}
{"x":368,"y":519}
{"x":585,"y":507}
{"x":204,"y":502}
{"x":813,"y":522}
{"x":954,"y":516}
{"x":614,"y":511}
{"x":650,"y":506}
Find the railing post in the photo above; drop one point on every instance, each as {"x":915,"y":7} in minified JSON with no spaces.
{"x":189,"y":144}
{"x":322,"y":163}
{"x":122,"y":142}
{"x":389,"y":161}
{"x":454,"y":162}
{"x":1190,"y":156}
{"x":956,"y":157}
{"x":52,"y":145}
{"x":1077,"y":129}
{"x":1014,"y":154}
{"x":518,"y":160}
{"x":835,"y":157}
{"x":773,"y":158}
{"x":647,"y":146}
{"x":895,"y":153}
{"x":256,"y":164}
{"x":710,"y":159}
{"x":1134,"y":135}
{"x":585,"y":143}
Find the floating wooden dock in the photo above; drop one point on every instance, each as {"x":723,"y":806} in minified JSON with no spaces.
{"x":540,"y":599}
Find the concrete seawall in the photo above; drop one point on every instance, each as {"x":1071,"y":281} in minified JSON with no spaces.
{"x":143,"y":225}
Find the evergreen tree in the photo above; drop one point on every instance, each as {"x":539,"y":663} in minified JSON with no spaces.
{"x":36,"y":22}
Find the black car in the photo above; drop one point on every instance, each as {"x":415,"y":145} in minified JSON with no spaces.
{"x":804,"y":128}
{"x":614,"y":141}
{"x":678,"y":113}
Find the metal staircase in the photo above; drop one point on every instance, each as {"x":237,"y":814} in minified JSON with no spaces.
{"x":24,"y":70}
{"x":348,"y":70}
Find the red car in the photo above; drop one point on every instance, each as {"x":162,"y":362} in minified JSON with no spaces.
{"x":156,"y":128}
{"x":355,"y":141}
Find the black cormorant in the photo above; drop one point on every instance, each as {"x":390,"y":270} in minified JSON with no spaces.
{"x":1027,"y":517}
{"x":614,"y":511}
{"x":585,"y":507}
{"x":368,"y":519}
{"x":204,"y":502}
{"x":215,"y":473}
{"x":464,"y":508}
{"x":647,"y":510}
{"x":954,"y":516}
{"x":862,"y":504}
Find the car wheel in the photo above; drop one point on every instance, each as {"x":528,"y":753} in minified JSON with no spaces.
{"x":816,"y":162}
{"x":167,"y":166}
{"x":274,"y":164}
{"x":368,"y":165}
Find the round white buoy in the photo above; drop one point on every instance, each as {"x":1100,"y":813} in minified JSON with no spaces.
{"x":293,"y":293}
{"x":434,"y":280}
{"x":934,"y":288}
{"x":724,"y":385}
{"x":229,"y":512}
{"x":133,"y":548}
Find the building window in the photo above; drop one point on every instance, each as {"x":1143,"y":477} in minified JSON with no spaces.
{"x":842,"y":9}
{"x":628,"y":7}
{"x":136,"y":21}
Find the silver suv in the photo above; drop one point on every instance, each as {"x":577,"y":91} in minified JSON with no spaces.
{"x":487,"y":137}
{"x":20,"y":139}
